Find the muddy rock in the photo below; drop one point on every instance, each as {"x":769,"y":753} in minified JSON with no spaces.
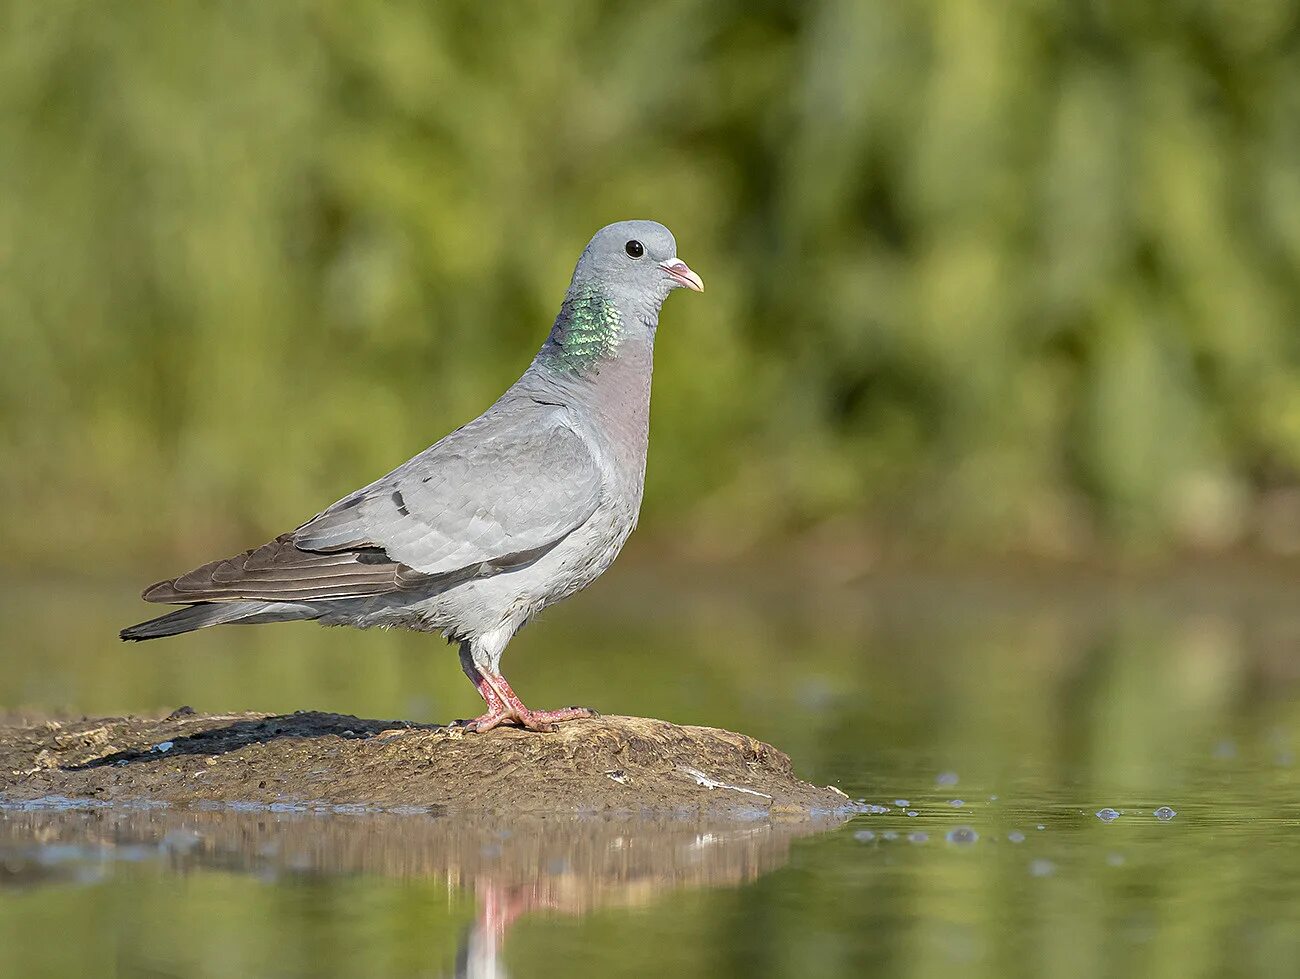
{"x":313,"y":762}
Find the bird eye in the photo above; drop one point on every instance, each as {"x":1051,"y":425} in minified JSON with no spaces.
{"x":635,"y":248}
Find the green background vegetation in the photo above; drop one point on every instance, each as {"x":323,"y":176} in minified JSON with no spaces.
{"x":1009,"y":276}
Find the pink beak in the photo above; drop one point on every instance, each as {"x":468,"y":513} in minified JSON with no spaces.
{"x":682,"y":274}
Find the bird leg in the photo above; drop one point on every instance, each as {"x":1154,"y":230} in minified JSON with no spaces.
{"x":504,"y":705}
{"x":534,"y":720}
{"x":498,"y":712}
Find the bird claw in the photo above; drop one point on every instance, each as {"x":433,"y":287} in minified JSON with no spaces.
{"x":483,"y":723}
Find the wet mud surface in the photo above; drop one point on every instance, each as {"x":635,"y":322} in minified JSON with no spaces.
{"x":318,"y":762}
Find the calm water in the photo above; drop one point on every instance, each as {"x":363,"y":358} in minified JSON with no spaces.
{"x":991,"y":720}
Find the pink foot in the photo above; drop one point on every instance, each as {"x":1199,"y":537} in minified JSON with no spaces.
{"x":505,"y":707}
{"x":486,"y":722}
{"x":530,"y":720}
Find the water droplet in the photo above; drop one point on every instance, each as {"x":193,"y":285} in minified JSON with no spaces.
{"x":962,"y":834}
{"x":1115,"y":859}
{"x":1015,"y":836}
{"x":1042,"y":868}
{"x":1040,"y":826}
{"x":956,"y":803}
{"x":1164,"y":813}
{"x":918,"y":837}
{"x":864,"y":836}
{"x":913,"y":812}
{"x":901,"y":803}
{"x":1225,"y":751}
{"x":946,"y":778}
{"x":1107,"y":815}
{"x":889,"y":834}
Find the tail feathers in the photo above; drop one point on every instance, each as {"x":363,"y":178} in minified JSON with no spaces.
{"x":204,"y":614}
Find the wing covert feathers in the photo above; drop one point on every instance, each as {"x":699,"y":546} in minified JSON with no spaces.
{"x":476,"y":498}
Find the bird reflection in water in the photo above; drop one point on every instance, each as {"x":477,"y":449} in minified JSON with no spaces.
{"x":511,"y":867}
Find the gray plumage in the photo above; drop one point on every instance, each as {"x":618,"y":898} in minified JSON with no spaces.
{"x":518,"y":509}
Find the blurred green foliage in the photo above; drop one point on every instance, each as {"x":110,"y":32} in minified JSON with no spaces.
{"x":1009,"y":275}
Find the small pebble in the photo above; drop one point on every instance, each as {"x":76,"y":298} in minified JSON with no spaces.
{"x":946,"y":778}
{"x":918,"y":837}
{"x":956,"y":803}
{"x":1164,"y":813}
{"x":1015,"y":836}
{"x":962,"y":834}
{"x":163,"y":746}
{"x":1042,"y":868}
{"x":864,"y":836}
{"x":1107,"y":815}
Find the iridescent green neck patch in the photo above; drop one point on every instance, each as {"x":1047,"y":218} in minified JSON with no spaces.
{"x":588,"y":328}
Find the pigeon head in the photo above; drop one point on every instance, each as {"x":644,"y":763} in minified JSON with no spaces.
{"x":624,"y":275}
{"x":633,"y":263}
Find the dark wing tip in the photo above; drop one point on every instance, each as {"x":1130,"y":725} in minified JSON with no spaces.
{"x":160,"y":591}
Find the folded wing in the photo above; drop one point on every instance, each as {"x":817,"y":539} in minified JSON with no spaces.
{"x":488,"y":498}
